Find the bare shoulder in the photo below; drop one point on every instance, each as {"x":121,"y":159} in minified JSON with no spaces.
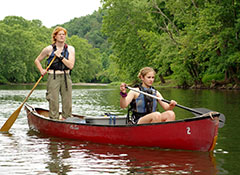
{"x":46,"y":52}
{"x":71,"y":48}
{"x":134,"y":93}
{"x":48,"y":49}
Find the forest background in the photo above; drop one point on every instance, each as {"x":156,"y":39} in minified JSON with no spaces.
{"x":193,"y":43}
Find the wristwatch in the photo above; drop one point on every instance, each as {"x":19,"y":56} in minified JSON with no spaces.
{"x":61,"y":57}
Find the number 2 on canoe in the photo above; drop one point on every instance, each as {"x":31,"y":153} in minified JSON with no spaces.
{"x":188,"y":130}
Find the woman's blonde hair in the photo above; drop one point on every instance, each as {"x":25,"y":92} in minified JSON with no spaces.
{"x":144,"y":71}
{"x":55,"y":32}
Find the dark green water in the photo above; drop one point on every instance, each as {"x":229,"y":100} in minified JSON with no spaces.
{"x":23,"y":151}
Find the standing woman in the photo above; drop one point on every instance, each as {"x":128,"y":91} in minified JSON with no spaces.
{"x":59,"y":80}
{"x":144,"y":107}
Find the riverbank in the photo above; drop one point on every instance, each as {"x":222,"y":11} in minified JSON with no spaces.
{"x":168,"y":84}
{"x":77,"y":84}
{"x":213,"y":85}
{"x":90,"y":84}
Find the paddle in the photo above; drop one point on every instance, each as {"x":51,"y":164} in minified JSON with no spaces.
{"x":8,"y":124}
{"x":200,"y":111}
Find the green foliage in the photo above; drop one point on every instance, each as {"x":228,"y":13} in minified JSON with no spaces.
{"x":89,"y":27}
{"x":188,"y":39}
{"x":87,"y":63}
{"x":208,"y":78}
{"x":122,"y":24}
{"x":18,"y":47}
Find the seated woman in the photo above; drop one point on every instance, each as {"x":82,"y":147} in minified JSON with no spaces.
{"x":144,"y":107}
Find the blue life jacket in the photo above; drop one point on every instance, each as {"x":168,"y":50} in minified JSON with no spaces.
{"x":143,"y":104}
{"x":57,"y":63}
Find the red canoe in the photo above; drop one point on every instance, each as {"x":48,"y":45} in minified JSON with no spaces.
{"x":198,"y":133}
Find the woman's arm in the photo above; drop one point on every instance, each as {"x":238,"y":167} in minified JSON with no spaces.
{"x":126,"y":98}
{"x":164,"y":105}
{"x":44,"y":53}
{"x":71,"y":59}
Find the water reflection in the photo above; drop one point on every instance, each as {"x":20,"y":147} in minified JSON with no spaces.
{"x":66,"y":156}
{"x":57,"y":153}
{"x":155,"y":161}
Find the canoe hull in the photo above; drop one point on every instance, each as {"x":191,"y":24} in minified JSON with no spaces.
{"x":197,"y":134}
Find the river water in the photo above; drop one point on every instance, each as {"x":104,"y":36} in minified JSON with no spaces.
{"x":23,"y":151}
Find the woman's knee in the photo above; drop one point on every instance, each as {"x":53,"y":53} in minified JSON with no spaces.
{"x":157,"y":117}
{"x":171,"y":116}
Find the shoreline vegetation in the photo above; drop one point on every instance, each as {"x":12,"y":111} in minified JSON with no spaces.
{"x":167,"y":84}
{"x":214,"y":85}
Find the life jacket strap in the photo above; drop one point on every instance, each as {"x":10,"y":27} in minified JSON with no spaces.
{"x":65,"y":79}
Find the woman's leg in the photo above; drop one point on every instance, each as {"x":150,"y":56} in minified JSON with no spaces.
{"x":66,"y":95}
{"x":167,"y":116}
{"x":156,"y":117}
{"x":52,"y":95}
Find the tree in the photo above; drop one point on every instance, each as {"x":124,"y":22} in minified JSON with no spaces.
{"x":18,"y":49}
{"x":122,"y":23}
{"x":188,"y":39}
{"x":87,"y":63}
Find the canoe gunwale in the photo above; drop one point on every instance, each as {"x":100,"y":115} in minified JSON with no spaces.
{"x":34,"y":111}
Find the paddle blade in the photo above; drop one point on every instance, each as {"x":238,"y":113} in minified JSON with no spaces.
{"x":8,"y":124}
{"x":222,"y":118}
